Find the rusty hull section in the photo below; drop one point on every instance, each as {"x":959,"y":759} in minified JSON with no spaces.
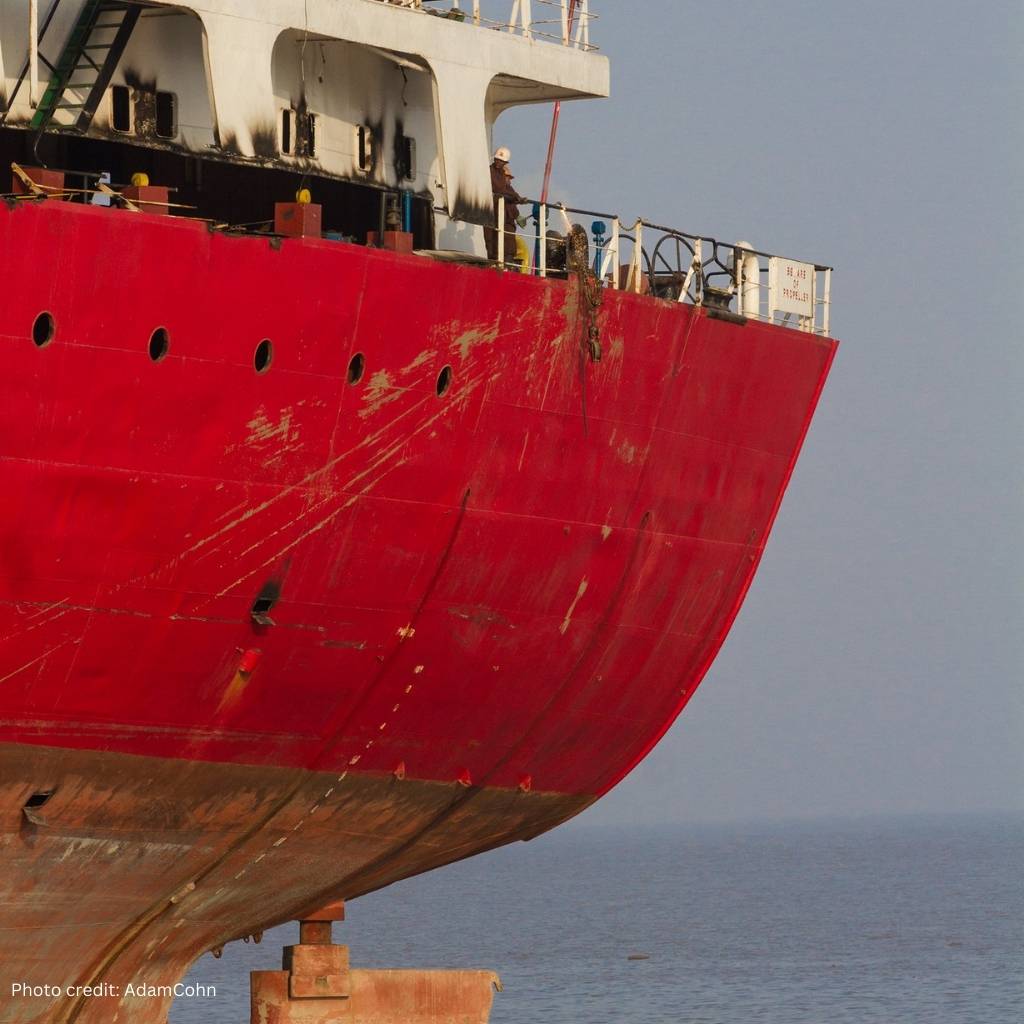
{"x":134,"y":867}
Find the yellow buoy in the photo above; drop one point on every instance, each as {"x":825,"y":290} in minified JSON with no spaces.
{"x":303,"y":197}
{"x":140,"y":180}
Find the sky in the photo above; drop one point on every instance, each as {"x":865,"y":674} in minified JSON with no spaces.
{"x":877,"y":666}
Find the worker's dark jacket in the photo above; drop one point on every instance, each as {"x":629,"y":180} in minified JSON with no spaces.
{"x":501,"y":185}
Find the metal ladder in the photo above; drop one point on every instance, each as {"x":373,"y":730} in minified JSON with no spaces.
{"x":87,"y":62}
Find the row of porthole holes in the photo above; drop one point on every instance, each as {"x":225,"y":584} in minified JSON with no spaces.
{"x":45,"y":329}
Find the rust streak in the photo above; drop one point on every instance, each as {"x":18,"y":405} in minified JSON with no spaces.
{"x":572,"y":607}
{"x":62,"y":604}
{"x":366,"y":442}
{"x":468,"y":340}
{"x":522,"y":454}
{"x":29,"y":664}
{"x":380,"y":390}
{"x":385,"y":458}
{"x":420,"y":360}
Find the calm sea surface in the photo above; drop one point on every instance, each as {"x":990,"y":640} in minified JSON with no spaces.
{"x":867,"y":922}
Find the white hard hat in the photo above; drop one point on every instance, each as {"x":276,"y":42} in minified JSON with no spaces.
{"x":503,"y":154}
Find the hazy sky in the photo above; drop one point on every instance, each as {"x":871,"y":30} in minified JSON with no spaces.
{"x":877,"y":663}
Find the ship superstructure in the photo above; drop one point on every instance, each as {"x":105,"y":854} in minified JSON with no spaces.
{"x":331,"y":551}
{"x":368,"y":93}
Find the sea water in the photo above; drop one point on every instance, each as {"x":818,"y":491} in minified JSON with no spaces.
{"x":867,"y":922}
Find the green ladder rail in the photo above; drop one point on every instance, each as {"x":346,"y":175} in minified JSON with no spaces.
{"x":87,"y":63}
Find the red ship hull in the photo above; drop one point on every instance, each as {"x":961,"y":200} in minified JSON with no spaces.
{"x":490,"y":604}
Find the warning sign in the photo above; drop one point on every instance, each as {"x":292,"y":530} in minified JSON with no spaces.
{"x":791,"y":286}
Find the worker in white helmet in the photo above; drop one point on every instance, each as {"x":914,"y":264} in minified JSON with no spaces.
{"x":501,"y":185}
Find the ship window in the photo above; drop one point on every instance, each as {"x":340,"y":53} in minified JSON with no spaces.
{"x":269,"y":595}
{"x":311,"y":135}
{"x":121,"y":109}
{"x":364,"y":147}
{"x":166,"y":115}
{"x":43,"y":330}
{"x":444,"y":381}
{"x":356,"y":368}
{"x":407,"y":157}
{"x":159,"y":343}
{"x":263,"y":356}
{"x":287,"y":116}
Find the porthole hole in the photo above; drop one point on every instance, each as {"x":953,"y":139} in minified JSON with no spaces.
{"x":43,"y":329}
{"x":159,"y":343}
{"x":444,"y":381}
{"x":264,"y":356}
{"x":356,"y":368}
{"x":31,"y":807}
{"x":269,"y":595}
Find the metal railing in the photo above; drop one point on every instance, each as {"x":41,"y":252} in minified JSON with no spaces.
{"x":667,"y":263}
{"x":552,"y":23}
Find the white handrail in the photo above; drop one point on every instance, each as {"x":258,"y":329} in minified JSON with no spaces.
{"x":520,"y":18}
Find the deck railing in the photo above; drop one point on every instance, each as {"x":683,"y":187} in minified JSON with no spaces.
{"x":671,"y":264}
{"x":733,"y":279}
{"x":547,"y":20}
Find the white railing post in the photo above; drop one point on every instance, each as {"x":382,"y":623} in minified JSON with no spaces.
{"x":809,"y":322}
{"x":565,"y":22}
{"x":542,"y":233}
{"x":638,"y":256}
{"x":513,"y":15}
{"x":583,"y":32}
{"x":826,"y":311}
{"x":748,"y":283}
{"x":501,"y":231}
{"x":613,"y":250}
{"x":737,"y":276}
{"x":476,"y":12}
{"x":33,"y":53}
{"x":527,"y":20}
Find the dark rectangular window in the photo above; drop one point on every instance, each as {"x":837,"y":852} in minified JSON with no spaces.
{"x":311,"y":135}
{"x":286,"y":131}
{"x":166,"y":115}
{"x":121,"y":109}
{"x":364,"y":148}
{"x":407,"y":156}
